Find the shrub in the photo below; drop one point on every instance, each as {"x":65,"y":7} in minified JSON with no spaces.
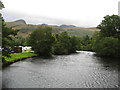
{"x":107,"y":47}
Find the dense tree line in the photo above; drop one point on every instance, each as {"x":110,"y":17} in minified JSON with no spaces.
{"x":44,"y":43}
{"x":105,"y":43}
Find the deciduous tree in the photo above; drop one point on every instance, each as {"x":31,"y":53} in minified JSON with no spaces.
{"x":42,"y":40}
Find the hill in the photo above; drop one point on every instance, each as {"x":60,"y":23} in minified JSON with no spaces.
{"x":21,"y":21}
{"x":67,"y":25}
{"x":26,"y":29}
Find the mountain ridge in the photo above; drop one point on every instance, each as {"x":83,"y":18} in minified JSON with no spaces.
{"x":21,"y":21}
{"x":25,"y":29}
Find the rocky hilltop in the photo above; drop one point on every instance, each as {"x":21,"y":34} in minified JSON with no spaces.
{"x":21,"y":21}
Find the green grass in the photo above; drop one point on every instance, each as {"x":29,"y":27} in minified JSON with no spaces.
{"x":19,"y":56}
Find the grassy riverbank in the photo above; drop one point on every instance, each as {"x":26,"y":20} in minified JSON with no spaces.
{"x":19,"y":56}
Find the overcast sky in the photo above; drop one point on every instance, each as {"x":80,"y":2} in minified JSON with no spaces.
{"x":83,"y":13}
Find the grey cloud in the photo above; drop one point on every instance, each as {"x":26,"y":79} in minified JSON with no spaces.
{"x":30,"y":19}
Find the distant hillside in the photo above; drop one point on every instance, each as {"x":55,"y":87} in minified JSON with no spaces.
{"x":26,"y":29}
{"x":67,"y":25}
{"x":16,"y":23}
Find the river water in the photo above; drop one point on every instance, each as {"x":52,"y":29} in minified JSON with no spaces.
{"x":80,"y":70}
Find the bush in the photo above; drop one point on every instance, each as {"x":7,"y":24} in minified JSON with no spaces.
{"x":107,"y":47}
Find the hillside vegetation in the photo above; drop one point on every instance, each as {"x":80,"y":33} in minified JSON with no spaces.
{"x":26,"y":29}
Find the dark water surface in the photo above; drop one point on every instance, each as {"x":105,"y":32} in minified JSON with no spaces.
{"x":80,"y":70}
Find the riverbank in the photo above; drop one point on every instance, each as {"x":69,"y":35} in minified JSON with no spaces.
{"x":18,"y":57}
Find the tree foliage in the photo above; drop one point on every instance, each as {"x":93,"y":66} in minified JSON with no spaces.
{"x":107,"y":47}
{"x":65,"y":44}
{"x":86,"y":43}
{"x":107,"y":42}
{"x":20,"y":41}
{"x":110,"y":26}
{"x":7,"y":34}
{"x":42,"y":40}
{"x":1,"y":5}
{"x":44,"y":43}
{"x":7,"y":41}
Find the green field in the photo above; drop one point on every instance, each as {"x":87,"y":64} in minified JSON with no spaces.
{"x":19,"y":56}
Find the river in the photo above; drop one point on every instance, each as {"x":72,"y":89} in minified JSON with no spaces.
{"x":80,"y":70}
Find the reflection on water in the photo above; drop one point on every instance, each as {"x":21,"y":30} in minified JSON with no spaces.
{"x":108,"y":63}
{"x":80,"y":70}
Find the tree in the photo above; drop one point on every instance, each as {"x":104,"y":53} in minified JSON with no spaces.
{"x":20,"y":41}
{"x":42,"y":40}
{"x":7,"y":34}
{"x":86,"y":43}
{"x":110,"y":26}
{"x":65,"y":44}
{"x":62,"y":45}
{"x":64,"y":39}
{"x":1,"y":19}
{"x":7,"y":41}
{"x":86,"y":40}
{"x":74,"y":44}
{"x":1,"y":5}
{"x":107,"y":47}
{"x":107,"y":42}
